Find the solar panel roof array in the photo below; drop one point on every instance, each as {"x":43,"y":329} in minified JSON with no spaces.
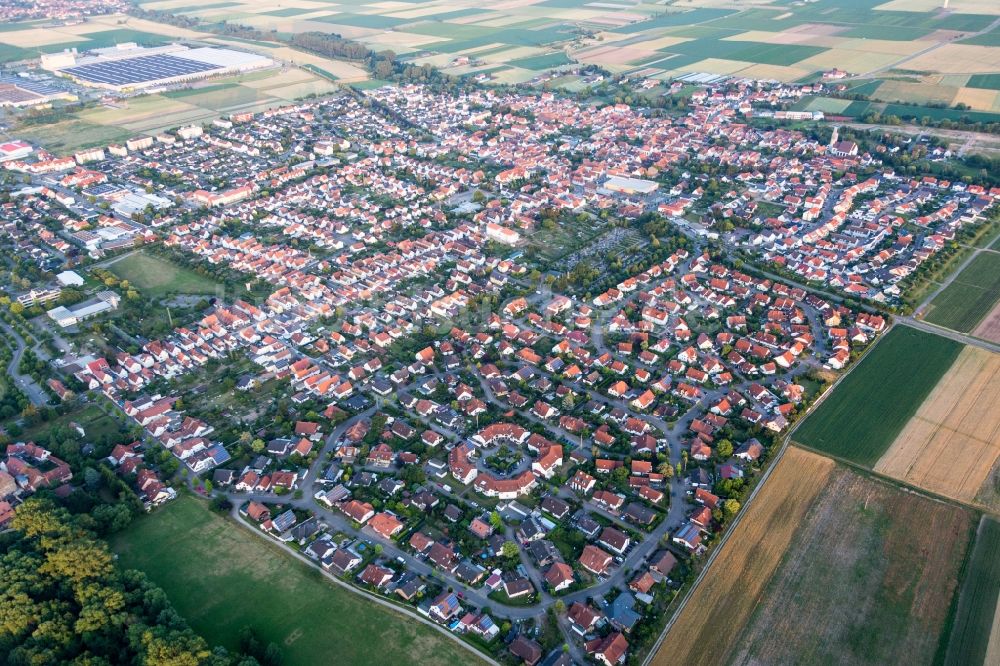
{"x":143,"y":69}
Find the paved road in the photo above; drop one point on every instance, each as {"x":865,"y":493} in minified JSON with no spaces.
{"x":36,"y":394}
{"x":948,"y":280}
{"x":948,"y":333}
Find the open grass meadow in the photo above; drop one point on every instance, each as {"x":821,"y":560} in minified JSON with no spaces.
{"x":222,"y":578}
{"x":970,"y":297}
{"x":864,"y":413}
{"x":155,"y":277}
{"x":977,"y":601}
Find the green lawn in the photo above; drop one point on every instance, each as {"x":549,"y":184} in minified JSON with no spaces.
{"x":221,"y":578}
{"x":970,"y":297}
{"x":977,"y":602}
{"x":866,"y":411}
{"x":156,"y":277}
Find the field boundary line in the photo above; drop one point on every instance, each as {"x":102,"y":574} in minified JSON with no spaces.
{"x":753,"y":494}
{"x":900,"y":483}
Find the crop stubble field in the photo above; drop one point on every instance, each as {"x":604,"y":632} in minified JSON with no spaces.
{"x":844,"y":567}
{"x":868,"y":579}
{"x":953,"y":441}
{"x":725,"y":599}
{"x":868,"y":409}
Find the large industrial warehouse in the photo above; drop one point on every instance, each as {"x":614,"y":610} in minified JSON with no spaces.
{"x":132,"y":67}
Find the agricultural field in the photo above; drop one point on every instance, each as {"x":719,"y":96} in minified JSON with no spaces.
{"x":865,"y":413}
{"x":896,"y":559}
{"x":200,"y":103}
{"x":953,"y":440}
{"x":222,"y":578}
{"x":971,"y":297}
{"x":156,"y":278}
{"x":783,"y":40}
{"x":868,"y":578}
{"x":721,"y":605}
{"x":975,"y":633}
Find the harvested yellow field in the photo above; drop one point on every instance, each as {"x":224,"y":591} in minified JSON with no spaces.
{"x":405,"y":39}
{"x":32,"y":37}
{"x":514,"y":53}
{"x":786,"y":37}
{"x":976,"y":98}
{"x":726,"y":597}
{"x":299,"y":90}
{"x":778,"y":72}
{"x":856,"y":62}
{"x":958,"y":59}
{"x":118,"y":21}
{"x":516,"y":75}
{"x":951,"y":444}
{"x":287,"y":77}
{"x":716,"y":66}
{"x":137,"y":110}
{"x":923,"y":93}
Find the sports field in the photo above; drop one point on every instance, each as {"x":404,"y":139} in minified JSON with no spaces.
{"x":721,"y":605}
{"x":155,"y":277}
{"x":964,"y":303}
{"x":953,"y":440}
{"x":867,"y":410}
{"x":975,"y":633}
{"x":222,"y":578}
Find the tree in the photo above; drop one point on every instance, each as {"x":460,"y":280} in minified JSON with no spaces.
{"x":16,"y":308}
{"x":496,"y":521}
{"x":666,"y":470}
{"x":257,"y":445}
{"x":559,"y":606}
{"x":724,"y":448}
{"x":730,"y":508}
{"x":509,"y":550}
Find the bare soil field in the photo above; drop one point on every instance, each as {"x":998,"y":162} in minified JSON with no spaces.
{"x":868,"y":579}
{"x":952,"y":442}
{"x":725,"y":599}
{"x":989,"y":327}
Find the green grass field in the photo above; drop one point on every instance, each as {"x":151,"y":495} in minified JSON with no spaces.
{"x":988,"y":81}
{"x":974,"y":292}
{"x":221,"y":578}
{"x":865,"y":412}
{"x":970,"y":633}
{"x":156,"y":277}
